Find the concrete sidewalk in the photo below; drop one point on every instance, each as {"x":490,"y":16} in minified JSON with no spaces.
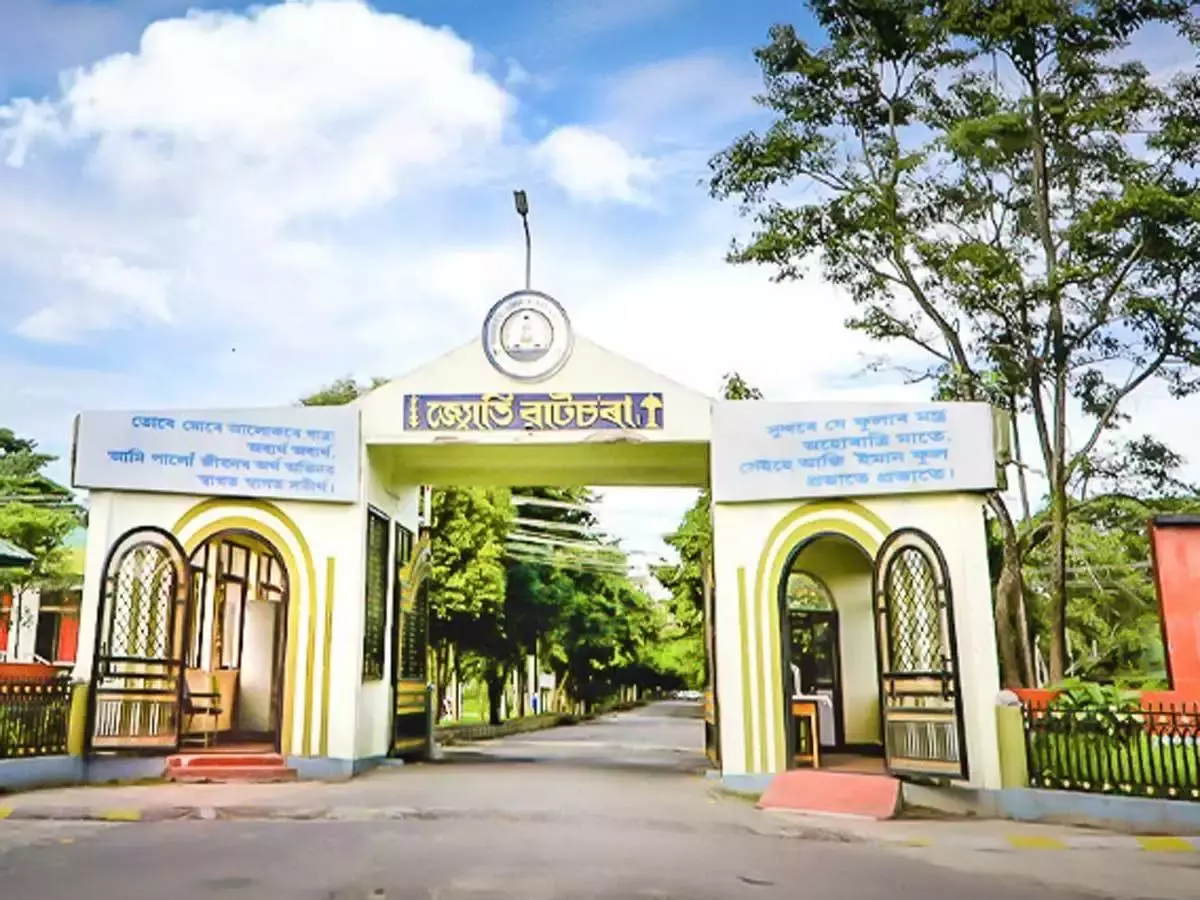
{"x":992,"y":835}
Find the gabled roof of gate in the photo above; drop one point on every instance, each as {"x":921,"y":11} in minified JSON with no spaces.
{"x":591,"y":369}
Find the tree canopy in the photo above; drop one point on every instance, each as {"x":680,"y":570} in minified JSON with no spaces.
{"x":1007,"y":197}
{"x":36,"y":513}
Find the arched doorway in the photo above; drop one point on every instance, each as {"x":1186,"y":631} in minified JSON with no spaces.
{"x":828,"y":644}
{"x":814,"y":655}
{"x":237,"y":642}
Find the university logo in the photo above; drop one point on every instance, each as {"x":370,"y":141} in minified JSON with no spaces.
{"x":527,"y":336}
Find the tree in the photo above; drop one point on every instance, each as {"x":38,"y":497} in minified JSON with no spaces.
{"x":1002,"y":194}
{"x":537,"y":591}
{"x":1113,"y":615}
{"x":693,"y":539}
{"x":340,"y":392}
{"x":36,"y":514}
{"x":467,"y":583}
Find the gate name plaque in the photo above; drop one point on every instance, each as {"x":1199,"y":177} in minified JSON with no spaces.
{"x":533,"y":412}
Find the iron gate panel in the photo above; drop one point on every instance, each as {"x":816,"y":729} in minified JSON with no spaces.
{"x":412,"y":717}
{"x":919,"y":693}
{"x":141,"y":637}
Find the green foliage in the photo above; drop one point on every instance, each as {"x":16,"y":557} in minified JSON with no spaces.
{"x":341,"y":392}
{"x":693,"y":539}
{"x":36,"y":514}
{"x":1113,"y":617}
{"x":1005,"y":196}
{"x":467,"y":575}
{"x":1078,"y":695}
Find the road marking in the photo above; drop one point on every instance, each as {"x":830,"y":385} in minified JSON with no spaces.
{"x":5,"y":812}
{"x":1036,"y":842}
{"x":1166,"y":844}
{"x":121,"y":815}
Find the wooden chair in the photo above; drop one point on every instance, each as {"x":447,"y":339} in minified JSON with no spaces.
{"x":808,"y":744}
{"x":201,"y":707}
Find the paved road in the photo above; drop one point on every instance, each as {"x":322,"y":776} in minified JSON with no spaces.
{"x":609,"y":809}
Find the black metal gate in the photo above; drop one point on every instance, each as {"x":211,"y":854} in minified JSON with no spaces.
{"x":412,"y":715}
{"x":137,"y":670}
{"x":920,"y":698}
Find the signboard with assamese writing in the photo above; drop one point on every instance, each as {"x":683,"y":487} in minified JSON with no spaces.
{"x":794,"y":451}
{"x":533,"y":412}
{"x":286,"y":453}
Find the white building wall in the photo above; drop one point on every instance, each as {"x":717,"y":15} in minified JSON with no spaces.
{"x":752,"y":545}
{"x":322,"y":544}
{"x":372,"y":734}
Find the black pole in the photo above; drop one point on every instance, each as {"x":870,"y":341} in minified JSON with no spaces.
{"x":528,"y":254}
{"x":521,"y":202}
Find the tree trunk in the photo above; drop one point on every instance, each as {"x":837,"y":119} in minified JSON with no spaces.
{"x":495,"y":691}
{"x":560,"y":692}
{"x":441,"y":676}
{"x":1014,"y":669}
{"x":1058,"y":582}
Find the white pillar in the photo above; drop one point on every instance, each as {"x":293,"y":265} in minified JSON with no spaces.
{"x":975,"y":630}
{"x":22,"y":625}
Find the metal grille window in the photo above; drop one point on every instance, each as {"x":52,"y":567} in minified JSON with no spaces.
{"x":412,"y":604}
{"x":403,"y":557}
{"x":375,"y":619}
{"x":415,"y":626}
{"x":915,"y":620}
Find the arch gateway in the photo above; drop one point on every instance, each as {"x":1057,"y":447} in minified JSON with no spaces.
{"x":260,"y":572}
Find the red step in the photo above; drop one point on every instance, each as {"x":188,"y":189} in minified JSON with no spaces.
{"x":226,"y":767}
{"x":833,"y":793}
{"x":220,"y":774}
{"x":199,"y":760}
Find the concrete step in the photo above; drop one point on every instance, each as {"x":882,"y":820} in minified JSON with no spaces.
{"x":834,"y":794}
{"x":227,"y":774}
{"x":209,"y":760}
{"x":228,"y":767}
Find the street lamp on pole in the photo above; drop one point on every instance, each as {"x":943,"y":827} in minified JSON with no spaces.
{"x":521,"y":202}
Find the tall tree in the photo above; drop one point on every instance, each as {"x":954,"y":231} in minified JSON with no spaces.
{"x":36,"y":513}
{"x":693,"y":539}
{"x":1004,"y":193}
{"x":467,"y":583}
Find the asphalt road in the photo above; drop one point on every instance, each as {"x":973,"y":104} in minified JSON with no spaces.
{"x":610,"y":809}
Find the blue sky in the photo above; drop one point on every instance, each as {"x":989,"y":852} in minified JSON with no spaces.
{"x":234,"y":206}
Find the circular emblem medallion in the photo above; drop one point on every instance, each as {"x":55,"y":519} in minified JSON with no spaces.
{"x":527,"y":336}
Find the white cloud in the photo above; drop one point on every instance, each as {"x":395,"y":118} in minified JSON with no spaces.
{"x":593,"y":167}
{"x":226,"y":139}
{"x":252,"y":204}
{"x":684,"y":98}
{"x":310,"y":106}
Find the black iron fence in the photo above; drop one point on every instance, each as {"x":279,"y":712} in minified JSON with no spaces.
{"x":1151,"y":751}
{"x":35,"y":718}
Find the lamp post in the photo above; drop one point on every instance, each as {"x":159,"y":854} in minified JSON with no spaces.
{"x":521,"y":202}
